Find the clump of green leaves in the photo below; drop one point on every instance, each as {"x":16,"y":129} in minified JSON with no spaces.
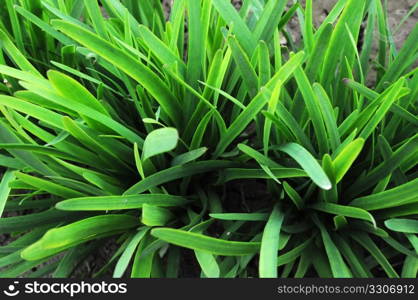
{"x":264,"y":158}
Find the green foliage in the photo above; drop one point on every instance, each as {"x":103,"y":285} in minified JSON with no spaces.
{"x":264,"y":157}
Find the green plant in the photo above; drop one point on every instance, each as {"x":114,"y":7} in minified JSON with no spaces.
{"x":263,"y":159}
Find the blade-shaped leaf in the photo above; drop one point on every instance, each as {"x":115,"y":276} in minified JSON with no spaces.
{"x":347,"y":211}
{"x":61,"y":238}
{"x":270,"y":244}
{"x":7,"y":177}
{"x":159,"y":141}
{"x":205,"y":243}
{"x":400,"y":195}
{"x":346,"y":157}
{"x":308,"y":163}
{"x":402,"y":225}
{"x":120,"y":202}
